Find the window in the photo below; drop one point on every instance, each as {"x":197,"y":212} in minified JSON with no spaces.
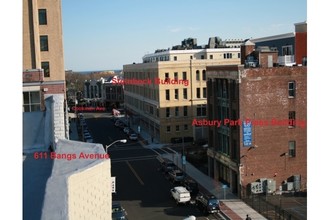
{"x":185,"y":110}
{"x":228,"y":55}
{"x":202,"y":57}
{"x":31,"y":101}
{"x":204,"y":92}
{"x":239,"y":55}
{"x":292,"y":118}
{"x":191,"y":57}
{"x":167,"y":77}
{"x":177,"y":128}
{"x":184,"y":75}
{"x":45,"y":67}
{"x":204,"y":75}
{"x":44,"y":43}
{"x":176,"y":93}
{"x":42,"y":16}
{"x":167,"y":94}
{"x":185,"y":127}
{"x":211,"y":57}
{"x":168,"y":112}
{"x":287,"y":50}
{"x":151,"y":110}
{"x":198,"y":92}
{"x":292,"y":89}
{"x":201,"y":110}
{"x":175,"y":58}
{"x":197,"y":75}
{"x":292,"y":148}
{"x":168,"y":128}
{"x":175,"y":75}
{"x":176,"y":111}
{"x":185,"y":94}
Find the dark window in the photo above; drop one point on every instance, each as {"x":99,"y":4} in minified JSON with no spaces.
{"x":202,"y":57}
{"x":292,"y":89}
{"x":185,"y":94}
{"x":175,"y":58}
{"x":177,"y":127}
{"x":45,"y":67}
{"x":204,"y":92}
{"x":204,"y":75}
{"x":176,"y":75}
{"x":167,"y":94}
{"x":31,"y":101}
{"x":292,"y":118}
{"x":44,"y":43}
{"x":292,"y":148}
{"x":185,"y":110}
{"x":185,"y":127}
{"x":177,"y":111}
{"x":168,"y":128}
{"x":184,"y":75}
{"x":201,"y":110}
{"x":42,"y":16}
{"x":167,"y":77}
{"x":211,"y":57}
{"x":197,"y":75}
{"x":176,"y":93}
{"x":198,"y":92}
{"x":168,"y":112}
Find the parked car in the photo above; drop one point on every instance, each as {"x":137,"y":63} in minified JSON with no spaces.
{"x":133,"y":137}
{"x":180,"y":194}
{"x":118,"y":212}
{"x":176,"y":175}
{"x":167,"y":166}
{"x":192,"y":186}
{"x":208,"y":204}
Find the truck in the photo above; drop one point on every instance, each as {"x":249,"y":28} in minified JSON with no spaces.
{"x":208,"y":204}
{"x":180,"y":194}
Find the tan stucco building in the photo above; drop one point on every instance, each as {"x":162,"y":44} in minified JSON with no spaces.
{"x":42,"y":52}
{"x":165,"y":93}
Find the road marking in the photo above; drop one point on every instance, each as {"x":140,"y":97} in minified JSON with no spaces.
{"x":134,"y":172}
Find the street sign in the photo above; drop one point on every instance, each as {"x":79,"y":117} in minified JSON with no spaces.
{"x":113,"y":184}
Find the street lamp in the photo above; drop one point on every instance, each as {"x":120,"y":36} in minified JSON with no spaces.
{"x":107,"y":146}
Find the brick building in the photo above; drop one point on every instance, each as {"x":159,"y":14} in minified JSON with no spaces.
{"x":272,"y":143}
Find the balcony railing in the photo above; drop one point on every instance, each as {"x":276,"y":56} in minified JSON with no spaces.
{"x":287,"y":60}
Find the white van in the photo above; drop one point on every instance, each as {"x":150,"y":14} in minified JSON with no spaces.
{"x":180,"y":194}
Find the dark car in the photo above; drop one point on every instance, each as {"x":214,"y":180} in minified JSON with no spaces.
{"x":208,"y":204}
{"x":167,"y":166}
{"x":118,"y":212}
{"x":192,"y":186}
{"x":176,"y":175}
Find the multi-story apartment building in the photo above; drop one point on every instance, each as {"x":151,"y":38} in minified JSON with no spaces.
{"x":168,"y":90}
{"x":263,"y":134}
{"x":43,"y":69}
{"x":291,"y":47}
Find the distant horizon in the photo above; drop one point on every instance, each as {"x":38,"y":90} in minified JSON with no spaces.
{"x":94,"y":71}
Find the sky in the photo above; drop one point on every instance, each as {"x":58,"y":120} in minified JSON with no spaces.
{"x":107,"y":34}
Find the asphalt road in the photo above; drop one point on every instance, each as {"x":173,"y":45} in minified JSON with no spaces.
{"x":142,"y":190}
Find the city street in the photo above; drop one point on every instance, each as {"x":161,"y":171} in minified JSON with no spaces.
{"x":140,"y":187}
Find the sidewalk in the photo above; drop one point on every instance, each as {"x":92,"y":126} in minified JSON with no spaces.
{"x":233,"y":207}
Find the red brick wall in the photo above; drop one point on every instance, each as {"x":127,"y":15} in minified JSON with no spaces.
{"x":301,"y":46}
{"x":264,"y":96}
{"x":33,"y":76}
